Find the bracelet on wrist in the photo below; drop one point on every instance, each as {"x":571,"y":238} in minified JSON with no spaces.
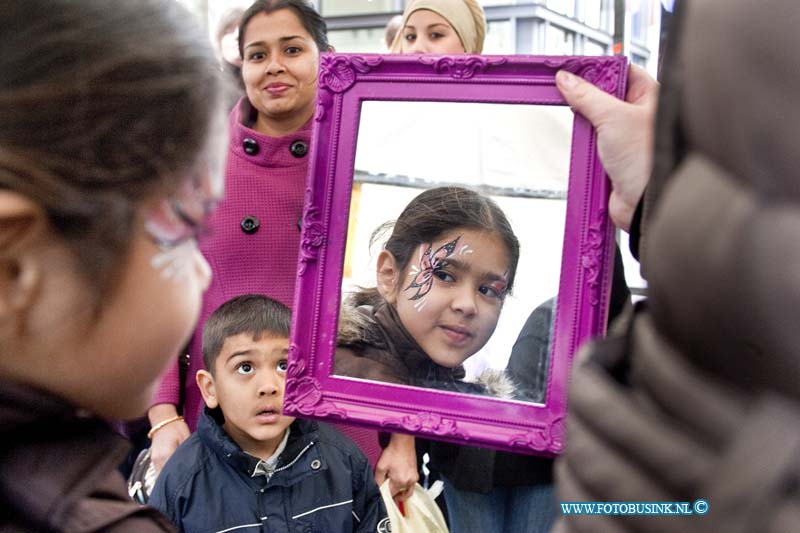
{"x":162,"y":424}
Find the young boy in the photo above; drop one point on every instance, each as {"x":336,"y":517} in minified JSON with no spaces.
{"x":247,"y":465}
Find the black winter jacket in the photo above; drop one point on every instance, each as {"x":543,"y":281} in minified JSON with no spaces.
{"x":322,"y":483}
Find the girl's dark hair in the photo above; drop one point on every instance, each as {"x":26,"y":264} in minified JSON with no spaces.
{"x":309,"y":18}
{"x":103,"y":103}
{"x":433,"y":213}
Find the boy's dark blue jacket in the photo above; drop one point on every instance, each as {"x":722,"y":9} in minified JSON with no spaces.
{"x":322,"y":483}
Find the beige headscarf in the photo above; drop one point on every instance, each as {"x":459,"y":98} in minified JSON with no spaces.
{"x":465,"y":16}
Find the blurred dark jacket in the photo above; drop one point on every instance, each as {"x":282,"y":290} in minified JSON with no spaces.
{"x":58,"y":469}
{"x":700,"y":398}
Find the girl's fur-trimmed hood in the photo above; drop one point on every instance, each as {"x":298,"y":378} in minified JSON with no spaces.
{"x":354,"y":327}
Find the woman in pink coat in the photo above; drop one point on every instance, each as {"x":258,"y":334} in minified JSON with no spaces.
{"x":254,"y":236}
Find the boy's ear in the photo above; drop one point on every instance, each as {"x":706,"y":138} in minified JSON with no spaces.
{"x":388,"y":276}
{"x":21,"y":223}
{"x":205,"y":382}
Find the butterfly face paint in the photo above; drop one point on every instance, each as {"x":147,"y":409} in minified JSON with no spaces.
{"x":175,"y":262}
{"x":453,"y":299}
{"x":430,"y":262}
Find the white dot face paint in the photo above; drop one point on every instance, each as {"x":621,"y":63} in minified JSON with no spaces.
{"x":175,"y":263}
{"x":451,"y":300}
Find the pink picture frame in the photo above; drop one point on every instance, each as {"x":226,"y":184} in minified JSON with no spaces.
{"x":347,"y":80}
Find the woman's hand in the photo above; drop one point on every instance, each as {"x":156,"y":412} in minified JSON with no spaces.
{"x":165,"y":440}
{"x":398,"y":463}
{"x":624,"y":134}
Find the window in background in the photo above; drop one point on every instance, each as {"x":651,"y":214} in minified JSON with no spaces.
{"x":558,"y":42}
{"x":595,"y":13}
{"x":338,"y":8}
{"x":564,"y":7}
{"x":499,"y":37}
{"x":639,"y":60}
{"x":592,"y":48}
{"x":363,"y":40}
{"x":639,"y":19}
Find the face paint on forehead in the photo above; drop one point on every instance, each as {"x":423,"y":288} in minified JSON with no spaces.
{"x":465,"y":249}
{"x":176,"y":262}
{"x":430,"y":261}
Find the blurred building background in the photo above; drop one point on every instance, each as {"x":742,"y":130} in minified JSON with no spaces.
{"x":547,"y":27}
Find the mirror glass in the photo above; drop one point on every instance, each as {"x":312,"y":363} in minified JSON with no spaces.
{"x":519,"y":155}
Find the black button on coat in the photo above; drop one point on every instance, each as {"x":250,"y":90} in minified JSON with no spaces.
{"x":250,"y":146}
{"x":299,"y":148}
{"x":250,"y":224}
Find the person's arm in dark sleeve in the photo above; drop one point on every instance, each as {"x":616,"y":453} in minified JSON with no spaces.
{"x":367,"y":501}
{"x":162,"y":497}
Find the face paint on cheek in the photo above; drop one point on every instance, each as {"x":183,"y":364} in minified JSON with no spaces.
{"x":174,"y":263}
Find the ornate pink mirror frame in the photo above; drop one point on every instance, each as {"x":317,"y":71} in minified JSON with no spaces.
{"x":345,"y":81}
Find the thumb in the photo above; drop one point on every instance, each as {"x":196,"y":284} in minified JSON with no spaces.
{"x":585,"y":98}
{"x":380,"y":476}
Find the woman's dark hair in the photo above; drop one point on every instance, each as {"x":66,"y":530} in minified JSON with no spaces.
{"x":309,"y":18}
{"x":433,"y":213}
{"x":103,"y":103}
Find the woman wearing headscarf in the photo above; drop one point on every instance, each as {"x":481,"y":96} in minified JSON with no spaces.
{"x":441,"y":27}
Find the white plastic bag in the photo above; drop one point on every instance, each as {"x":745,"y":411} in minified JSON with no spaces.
{"x":422,"y":513}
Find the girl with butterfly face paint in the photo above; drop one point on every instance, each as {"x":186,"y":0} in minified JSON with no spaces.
{"x":441,"y":279}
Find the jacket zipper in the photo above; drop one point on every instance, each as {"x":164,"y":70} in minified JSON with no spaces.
{"x":297,"y":458}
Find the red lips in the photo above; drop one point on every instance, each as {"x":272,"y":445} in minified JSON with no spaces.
{"x":276,"y":88}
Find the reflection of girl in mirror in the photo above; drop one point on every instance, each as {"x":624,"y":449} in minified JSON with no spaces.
{"x":442,"y":278}
{"x":441,"y":27}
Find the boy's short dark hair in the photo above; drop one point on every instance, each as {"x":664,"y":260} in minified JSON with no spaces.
{"x":250,"y":313}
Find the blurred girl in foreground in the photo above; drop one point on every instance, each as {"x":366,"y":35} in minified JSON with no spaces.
{"x":108,"y":170}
